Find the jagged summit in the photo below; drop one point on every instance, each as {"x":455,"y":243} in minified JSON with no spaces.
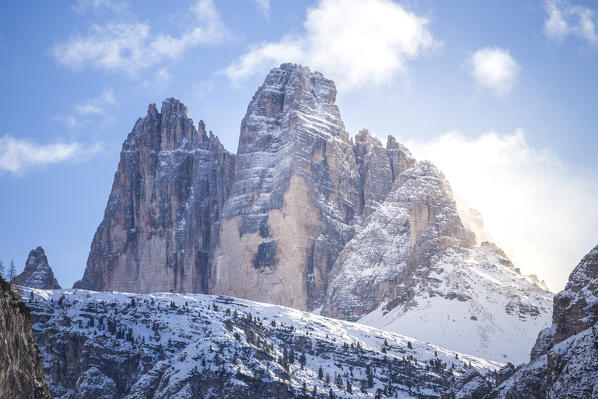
{"x":170,"y":129}
{"x":37,"y":272}
{"x":308,"y":217}
{"x":161,"y":217}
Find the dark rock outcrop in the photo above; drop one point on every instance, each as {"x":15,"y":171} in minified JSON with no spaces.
{"x":21,"y":370}
{"x":37,"y":273}
{"x":161,"y":221}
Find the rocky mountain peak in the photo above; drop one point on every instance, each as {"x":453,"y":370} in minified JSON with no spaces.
{"x":366,"y":138}
{"x":303,"y":216}
{"x":37,"y":272}
{"x":291,"y":98}
{"x":161,"y":218}
{"x":173,"y":107}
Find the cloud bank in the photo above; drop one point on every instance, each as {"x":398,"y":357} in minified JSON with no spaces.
{"x":354,"y":42}
{"x":493,"y":68}
{"x":18,"y":155}
{"x":542,"y":214}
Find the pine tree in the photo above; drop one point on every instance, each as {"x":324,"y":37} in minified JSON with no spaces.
{"x":320,"y":373}
{"x":2,"y":269}
{"x":349,"y":387}
{"x":302,"y":360}
{"x":292,"y":355}
{"x":314,"y":392}
{"x":12,"y":273}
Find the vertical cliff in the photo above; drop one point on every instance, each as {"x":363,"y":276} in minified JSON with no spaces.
{"x":21,"y":370}
{"x":294,"y":196}
{"x":161,"y":219}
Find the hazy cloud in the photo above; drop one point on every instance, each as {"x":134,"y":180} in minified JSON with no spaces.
{"x":264,"y":6}
{"x":493,"y":68}
{"x":563,"y":19}
{"x":131,"y":46}
{"x":83,"y":6}
{"x":85,"y":111}
{"x":354,"y":42}
{"x":18,"y":155}
{"x":540,"y":212}
{"x":97,"y":105}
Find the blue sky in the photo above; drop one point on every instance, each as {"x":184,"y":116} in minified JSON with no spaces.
{"x":501,"y":95}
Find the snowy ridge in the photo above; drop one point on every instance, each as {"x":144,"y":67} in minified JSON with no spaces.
{"x":181,"y":346}
{"x":415,"y":268}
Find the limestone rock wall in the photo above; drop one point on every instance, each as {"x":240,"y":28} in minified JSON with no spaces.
{"x":294,"y":196}
{"x":161,"y":220}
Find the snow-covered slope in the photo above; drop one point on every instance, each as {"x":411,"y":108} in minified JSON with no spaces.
{"x":116,"y":345}
{"x":415,"y":268}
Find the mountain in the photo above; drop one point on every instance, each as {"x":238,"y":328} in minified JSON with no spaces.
{"x":115,"y":345}
{"x":306,"y":216}
{"x":415,"y":268}
{"x":295,"y":196}
{"x":564,"y":361}
{"x":21,"y":369}
{"x":162,"y":217}
{"x":37,"y":272}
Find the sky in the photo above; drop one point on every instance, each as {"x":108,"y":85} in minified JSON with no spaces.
{"x":500,"y":95}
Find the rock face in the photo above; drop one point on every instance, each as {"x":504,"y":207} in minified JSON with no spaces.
{"x":308,"y":217}
{"x":161,"y":221}
{"x":415,"y":268}
{"x":115,"y":345}
{"x":21,"y":370}
{"x":300,"y":188}
{"x":564,"y":361}
{"x":37,"y":273}
{"x":294,"y":196}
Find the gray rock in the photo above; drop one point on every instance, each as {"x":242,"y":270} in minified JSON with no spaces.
{"x":161,"y":220}
{"x":21,"y":368}
{"x":295,"y":177}
{"x":564,"y":361}
{"x":37,"y":272}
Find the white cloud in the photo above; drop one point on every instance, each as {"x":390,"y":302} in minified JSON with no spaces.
{"x":494,"y":68}
{"x":82,"y":6}
{"x":97,"y":105}
{"x":542,"y":214}
{"x":85,"y":111}
{"x":354,"y":42}
{"x":563,"y":19}
{"x":131,"y":46}
{"x":159,"y":80}
{"x":264,"y":6}
{"x":17,"y":155}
